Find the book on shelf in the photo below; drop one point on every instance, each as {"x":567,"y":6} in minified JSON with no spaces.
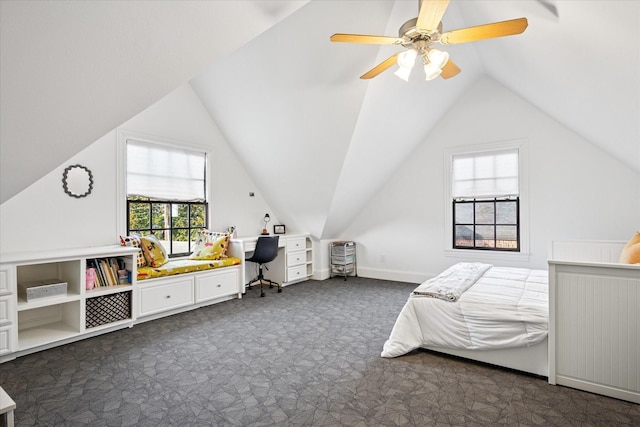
{"x":109,"y":271}
{"x":123,"y":277}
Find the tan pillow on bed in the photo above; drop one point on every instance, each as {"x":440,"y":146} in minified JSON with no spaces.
{"x":631,"y":252}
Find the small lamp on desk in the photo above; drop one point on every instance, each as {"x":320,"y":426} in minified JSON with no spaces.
{"x":267,"y":218}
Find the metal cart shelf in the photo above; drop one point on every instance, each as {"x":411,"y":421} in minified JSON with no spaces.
{"x":343,"y":259}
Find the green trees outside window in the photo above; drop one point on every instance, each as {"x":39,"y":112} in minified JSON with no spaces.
{"x":174,"y":223}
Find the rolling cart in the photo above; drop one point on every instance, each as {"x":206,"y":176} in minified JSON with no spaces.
{"x":343,"y":259}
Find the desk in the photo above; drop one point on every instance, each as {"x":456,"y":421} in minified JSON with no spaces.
{"x":294,"y":262}
{"x":7,"y":405}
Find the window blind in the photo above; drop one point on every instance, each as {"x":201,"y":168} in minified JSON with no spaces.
{"x":164,"y":172}
{"x":486,"y":174}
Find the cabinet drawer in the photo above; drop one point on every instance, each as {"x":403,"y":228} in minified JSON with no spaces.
{"x":296,"y":258}
{"x":348,"y":259}
{"x":5,"y":310}
{"x":166,"y":296}
{"x":216,"y":285}
{"x":4,"y":282}
{"x":5,"y":340}
{"x":297,"y":273}
{"x":296,"y":244}
{"x":342,"y":269}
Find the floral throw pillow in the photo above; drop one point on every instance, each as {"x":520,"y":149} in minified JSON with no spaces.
{"x":154,"y":252}
{"x":210,"y":245}
{"x":134,"y":241}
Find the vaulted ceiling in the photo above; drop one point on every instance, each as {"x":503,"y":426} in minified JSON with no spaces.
{"x":317,"y":140}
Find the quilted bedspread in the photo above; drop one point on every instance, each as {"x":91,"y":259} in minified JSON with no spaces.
{"x":505,"y":307}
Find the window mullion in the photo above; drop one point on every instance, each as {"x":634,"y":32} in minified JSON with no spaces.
{"x":495,"y":223}
{"x":474,"y":234}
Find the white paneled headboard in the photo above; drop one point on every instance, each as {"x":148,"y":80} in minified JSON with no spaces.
{"x":586,"y":250}
{"x":594,"y":319}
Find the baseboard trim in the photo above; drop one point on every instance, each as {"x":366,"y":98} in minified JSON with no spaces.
{"x":377,"y":273}
{"x":394,"y":275}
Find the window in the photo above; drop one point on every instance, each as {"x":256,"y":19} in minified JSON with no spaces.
{"x":486,"y":224}
{"x":484,"y":198}
{"x":166,"y":193}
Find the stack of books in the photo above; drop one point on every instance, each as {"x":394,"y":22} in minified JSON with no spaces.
{"x":109,"y":272}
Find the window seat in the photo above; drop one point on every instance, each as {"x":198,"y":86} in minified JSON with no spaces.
{"x":184,"y":265}
{"x":182,"y":284}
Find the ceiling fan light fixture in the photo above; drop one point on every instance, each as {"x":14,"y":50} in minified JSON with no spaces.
{"x":438,"y":58}
{"x":431,"y":71}
{"x":403,"y":73}
{"x":407,"y":58}
{"x":406,"y":61}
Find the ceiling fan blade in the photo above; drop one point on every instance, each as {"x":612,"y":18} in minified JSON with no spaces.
{"x":362,"y":38}
{"x":449,"y":70}
{"x":389,"y":62}
{"x":487,"y":31}
{"x":431,"y":13}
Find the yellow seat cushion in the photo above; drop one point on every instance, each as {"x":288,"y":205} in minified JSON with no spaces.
{"x":181,"y":266}
{"x":631,"y":252}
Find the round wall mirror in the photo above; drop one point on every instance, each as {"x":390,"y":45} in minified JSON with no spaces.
{"x":77,"y":181}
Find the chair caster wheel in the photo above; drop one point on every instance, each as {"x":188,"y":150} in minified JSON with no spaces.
{"x":262,"y":295}
{"x":279,"y":290}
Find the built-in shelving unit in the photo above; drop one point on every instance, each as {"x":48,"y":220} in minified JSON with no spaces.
{"x":60,"y":309}
{"x":45,"y":321}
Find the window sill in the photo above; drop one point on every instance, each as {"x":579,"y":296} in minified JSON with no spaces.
{"x":486,"y":255}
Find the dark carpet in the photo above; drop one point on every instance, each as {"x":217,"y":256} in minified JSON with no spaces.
{"x":309,"y":356}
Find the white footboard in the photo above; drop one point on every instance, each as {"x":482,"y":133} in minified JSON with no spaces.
{"x":594,"y":319}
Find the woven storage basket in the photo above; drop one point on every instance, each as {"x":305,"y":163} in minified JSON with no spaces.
{"x":108,"y":309}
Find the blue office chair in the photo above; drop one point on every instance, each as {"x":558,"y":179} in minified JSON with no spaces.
{"x":266,"y":251}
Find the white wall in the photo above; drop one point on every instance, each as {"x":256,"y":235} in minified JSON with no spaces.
{"x":43,"y":217}
{"x":576,"y":190}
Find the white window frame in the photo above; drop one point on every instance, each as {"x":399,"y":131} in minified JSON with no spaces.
{"x":123,"y":135}
{"x":523,"y":165}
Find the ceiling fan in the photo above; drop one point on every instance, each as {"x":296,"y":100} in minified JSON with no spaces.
{"x":420,"y":33}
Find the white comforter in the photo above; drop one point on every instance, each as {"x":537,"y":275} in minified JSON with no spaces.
{"x":505,"y":307}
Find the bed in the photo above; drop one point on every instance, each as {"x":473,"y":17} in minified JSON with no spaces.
{"x":496,"y":315}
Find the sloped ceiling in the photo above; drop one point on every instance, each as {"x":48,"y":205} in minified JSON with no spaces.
{"x":321,"y":142}
{"x":71,"y":71}
{"x":581,"y":67}
{"x":317,"y":140}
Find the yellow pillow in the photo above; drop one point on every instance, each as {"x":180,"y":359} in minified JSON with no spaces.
{"x":154,"y":252}
{"x":631,"y":252}
{"x":210,"y":245}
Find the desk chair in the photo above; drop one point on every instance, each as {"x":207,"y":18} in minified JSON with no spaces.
{"x":266,"y":251}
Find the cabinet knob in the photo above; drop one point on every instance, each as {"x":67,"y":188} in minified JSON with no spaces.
{"x":219,"y":285}
{"x":168,"y":296}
